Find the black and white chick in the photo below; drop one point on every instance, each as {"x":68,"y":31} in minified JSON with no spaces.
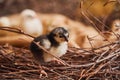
{"x":56,"y":42}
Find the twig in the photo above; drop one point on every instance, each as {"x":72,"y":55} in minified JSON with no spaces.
{"x":102,"y":24}
{"x":96,"y":70}
{"x":90,"y":43}
{"x":8,"y":68}
{"x":61,"y":74}
{"x":22,"y":71}
{"x":15,"y":30}
{"x":109,"y":1}
{"x":2,"y":53}
{"x":102,"y":55}
{"x":116,"y":42}
{"x":84,"y":50}
{"x":115,"y":53}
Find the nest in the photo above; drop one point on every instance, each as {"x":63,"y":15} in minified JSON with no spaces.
{"x":18,"y":63}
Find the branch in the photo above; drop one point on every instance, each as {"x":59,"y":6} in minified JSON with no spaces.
{"x":15,"y":30}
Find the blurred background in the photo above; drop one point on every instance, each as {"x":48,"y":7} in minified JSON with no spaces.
{"x":76,"y":15}
{"x":70,"y":8}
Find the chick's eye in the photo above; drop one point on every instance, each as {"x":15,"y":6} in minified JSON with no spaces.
{"x":60,"y":36}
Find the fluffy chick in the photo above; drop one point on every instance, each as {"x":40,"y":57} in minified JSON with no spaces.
{"x":55,"y":42}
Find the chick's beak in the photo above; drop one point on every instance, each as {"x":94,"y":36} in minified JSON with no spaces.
{"x":66,"y":38}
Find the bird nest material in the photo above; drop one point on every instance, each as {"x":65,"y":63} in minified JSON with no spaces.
{"x":18,"y":63}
